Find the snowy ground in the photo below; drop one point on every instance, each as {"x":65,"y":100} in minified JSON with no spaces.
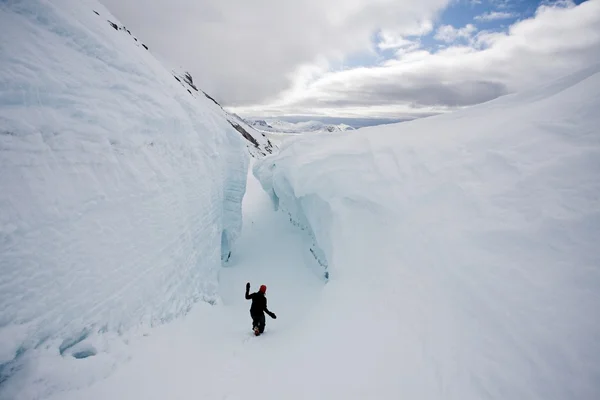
{"x":212,"y":352}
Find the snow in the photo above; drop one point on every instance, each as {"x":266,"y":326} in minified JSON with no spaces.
{"x":275,"y":126}
{"x":450,"y":257}
{"x":462,"y":248}
{"x":120,"y":191}
{"x":260,"y":144}
{"x":212,"y":353}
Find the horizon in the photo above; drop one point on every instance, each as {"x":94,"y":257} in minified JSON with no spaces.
{"x":355,"y":122}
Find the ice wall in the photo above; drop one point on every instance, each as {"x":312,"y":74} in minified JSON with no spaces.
{"x":462,"y":249}
{"x":120,"y":190}
{"x":306,"y":210}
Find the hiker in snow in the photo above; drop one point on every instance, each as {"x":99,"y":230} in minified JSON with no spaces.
{"x":258,"y":308}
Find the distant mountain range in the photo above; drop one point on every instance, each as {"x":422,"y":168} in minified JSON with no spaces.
{"x":278,"y":126}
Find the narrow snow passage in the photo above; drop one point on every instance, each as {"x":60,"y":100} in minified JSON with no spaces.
{"x":212,"y":353}
{"x":272,"y":252}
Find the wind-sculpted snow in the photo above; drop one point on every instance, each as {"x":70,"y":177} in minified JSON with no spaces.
{"x":286,"y":200}
{"x":119,"y":192}
{"x":462,"y":248}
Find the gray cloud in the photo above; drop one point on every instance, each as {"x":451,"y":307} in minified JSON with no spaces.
{"x":272,"y":57}
{"x":381,"y":93}
{"x":556,"y":41}
{"x":244,"y":52}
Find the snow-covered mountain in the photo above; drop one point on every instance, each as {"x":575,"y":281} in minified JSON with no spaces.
{"x":121,"y":183}
{"x":258,"y":144}
{"x":279,"y":126}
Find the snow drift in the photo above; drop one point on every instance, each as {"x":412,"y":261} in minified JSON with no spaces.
{"x":120,"y":190}
{"x":462,"y":250}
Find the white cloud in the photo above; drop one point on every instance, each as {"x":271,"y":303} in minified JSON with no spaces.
{"x":501,"y":4}
{"x":449,"y":34}
{"x":494,"y":16}
{"x":271,"y":56}
{"x":245,"y":52}
{"x":484,"y":39}
{"x":398,"y":38}
{"x":390,"y":41}
{"x":554,"y":42}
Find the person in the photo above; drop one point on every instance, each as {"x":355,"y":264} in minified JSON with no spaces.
{"x":258,"y":308}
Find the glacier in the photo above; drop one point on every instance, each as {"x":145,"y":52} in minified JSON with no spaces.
{"x":473,"y":239}
{"x":449,"y":257}
{"x":462,"y":264}
{"x":120,"y":190}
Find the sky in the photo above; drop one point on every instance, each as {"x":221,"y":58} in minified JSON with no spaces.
{"x":398,"y":59}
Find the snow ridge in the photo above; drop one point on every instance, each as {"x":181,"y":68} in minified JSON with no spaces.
{"x":258,"y":144}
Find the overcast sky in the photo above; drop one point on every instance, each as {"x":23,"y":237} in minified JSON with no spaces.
{"x":365,"y":58}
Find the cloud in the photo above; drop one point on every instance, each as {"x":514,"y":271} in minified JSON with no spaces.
{"x":245,"y":52}
{"x":554,"y":42}
{"x":502,"y":4}
{"x":275,"y":58}
{"x":449,"y":34}
{"x":398,"y":38}
{"x":494,"y":16}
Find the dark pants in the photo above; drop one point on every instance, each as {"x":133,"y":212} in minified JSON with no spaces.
{"x":258,"y":320}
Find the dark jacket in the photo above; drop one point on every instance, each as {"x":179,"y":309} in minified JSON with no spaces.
{"x":259,"y":303}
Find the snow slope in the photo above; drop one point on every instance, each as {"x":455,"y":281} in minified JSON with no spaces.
{"x":120,"y":191}
{"x":257,"y":142}
{"x":259,"y":145}
{"x":462,"y":250}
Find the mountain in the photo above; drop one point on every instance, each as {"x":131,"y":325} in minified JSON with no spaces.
{"x":279,"y":126}
{"x":258,"y":144}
